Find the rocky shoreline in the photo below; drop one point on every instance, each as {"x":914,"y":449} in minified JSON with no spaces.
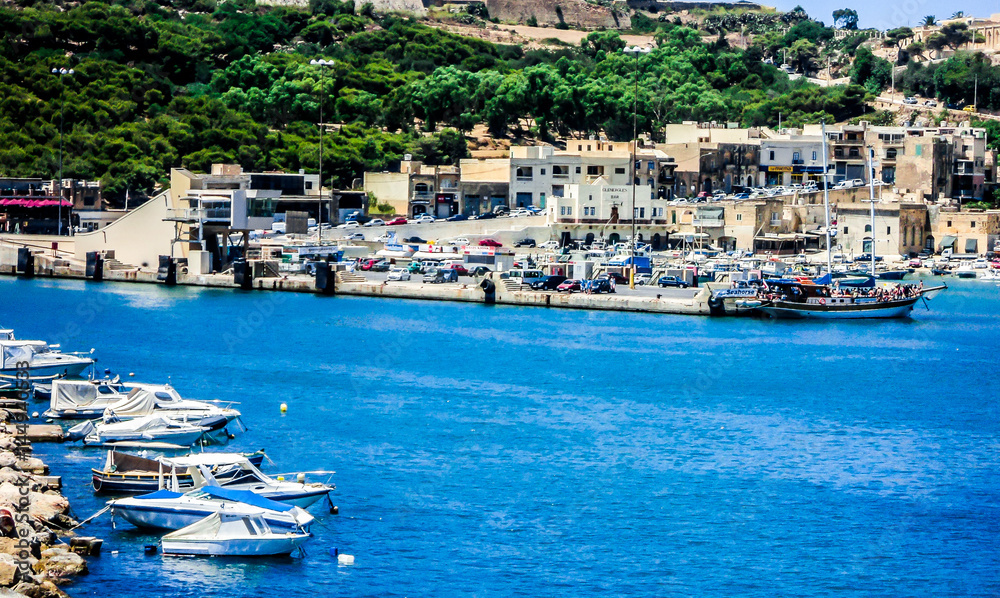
{"x":35,"y":517}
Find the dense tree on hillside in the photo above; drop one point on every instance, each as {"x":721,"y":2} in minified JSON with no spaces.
{"x":871,"y":72}
{"x":952,"y":35}
{"x":188,"y":83}
{"x":845,"y":18}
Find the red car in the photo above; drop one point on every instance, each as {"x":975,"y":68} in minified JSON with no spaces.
{"x":394,"y":221}
{"x":460,"y":269}
{"x":366,"y":264}
{"x":490,"y":243}
{"x":569,"y":286}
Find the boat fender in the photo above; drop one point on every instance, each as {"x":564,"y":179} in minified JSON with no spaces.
{"x":716,"y":307}
{"x":214,"y":422}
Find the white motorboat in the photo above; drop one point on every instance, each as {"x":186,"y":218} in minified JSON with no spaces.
{"x":162,"y":399}
{"x":226,"y":534}
{"x":247,"y":477}
{"x":165,"y":509}
{"x":39,"y":359}
{"x":112,"y":399}
{"x":152,"y":428}
{"x":123,"y":473}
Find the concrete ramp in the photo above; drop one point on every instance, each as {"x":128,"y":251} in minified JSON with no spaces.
{"x":137,"y":238}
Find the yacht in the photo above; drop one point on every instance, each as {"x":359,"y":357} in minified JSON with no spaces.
{"x":40,"y":359}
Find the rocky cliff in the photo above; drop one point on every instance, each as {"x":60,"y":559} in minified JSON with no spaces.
{"x":575,"y":13}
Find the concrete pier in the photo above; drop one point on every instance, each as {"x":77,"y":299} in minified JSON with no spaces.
{"x":47,"y":265}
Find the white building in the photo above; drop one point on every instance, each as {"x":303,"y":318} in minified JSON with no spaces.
{"x":797,"y":159}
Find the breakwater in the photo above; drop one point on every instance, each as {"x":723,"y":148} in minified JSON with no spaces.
{"x":35,"y":517}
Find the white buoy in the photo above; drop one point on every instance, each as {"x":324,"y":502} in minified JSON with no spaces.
{"x":345,"y":559}
{"x":34,"y":414}
{"x":284,"y":407}
{"x":131,"y":374}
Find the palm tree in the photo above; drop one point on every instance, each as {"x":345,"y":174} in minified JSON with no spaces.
{"x":930,"y":21}
{"x":958,"y":15}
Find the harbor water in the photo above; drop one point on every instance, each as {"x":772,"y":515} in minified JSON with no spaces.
{"x":502,"y":451}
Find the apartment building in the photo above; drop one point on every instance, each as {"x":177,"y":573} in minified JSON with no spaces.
{"x":417,"y":189}
{"x":796,"y":160}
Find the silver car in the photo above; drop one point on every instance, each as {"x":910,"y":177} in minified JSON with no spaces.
{"x":398,"y":274}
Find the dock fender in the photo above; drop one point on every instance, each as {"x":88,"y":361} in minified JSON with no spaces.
{"x":716,"y":306}
{"x":489,"y":291}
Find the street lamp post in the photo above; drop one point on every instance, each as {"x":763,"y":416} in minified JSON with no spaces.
{"x":62,"y":109}
{"x":319,"y":215}
{"x":635,"y":50}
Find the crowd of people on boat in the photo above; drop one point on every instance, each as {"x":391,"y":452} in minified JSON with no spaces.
{"x":896,"y":292}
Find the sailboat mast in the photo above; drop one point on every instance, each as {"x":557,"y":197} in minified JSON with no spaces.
{"x":826,"y":204}
{"x":871,"y":197}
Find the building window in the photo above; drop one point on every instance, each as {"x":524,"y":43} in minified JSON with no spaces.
{"x":588,"y":147}
{"x":559,"y":171}
{"x":619,"y":171}
{"x":558,"y":191}
{"x":814,"y":156}
{"x":309,"y":184}
{"x":772,"y":155}
{"x":642,"y":212}
{"x":890,"y":154}
{"x":920,"y":150}
{"x":888,"y":230}
{"x":795,"y":157}
{"x":845,"y":230}
{"x":972,"y":224}
{"x":577,"y":170}
{"x":569,"y":210}
{"x":593,"y":170}
{"x":673,"y":216}
{"x":949,"y":224}
{"x":868,"y":228}
{"x":524,"y":173}
{"x":611,"y":148}
{"x":543,"y":172}
{"x":739,"y":217}
{"x":854,"y":153}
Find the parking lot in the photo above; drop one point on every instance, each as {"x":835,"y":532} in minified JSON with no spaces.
{"x":621,"y":289}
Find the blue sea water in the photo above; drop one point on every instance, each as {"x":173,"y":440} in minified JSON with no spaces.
{"x":499,"y":451}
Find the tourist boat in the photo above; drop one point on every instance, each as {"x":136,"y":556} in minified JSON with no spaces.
{"x":39,"y":359}
{"x":802,"y":300}
{"x":123,"y":473}
{"x":228,"y":534}
{"x":966,"y":270}
{"x":167,"y":509}
{"x":149,"y":429}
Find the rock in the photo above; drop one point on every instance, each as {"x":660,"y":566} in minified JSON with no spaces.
{"x":8,"y":570}
{"x":9,"y":593}
{"x":32,"y":464}
{"x":44,"y":589}
{"x":60,"y":566}
{"x":43,"y":507}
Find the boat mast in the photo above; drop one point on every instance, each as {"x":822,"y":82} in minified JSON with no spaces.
{"x":826,"y":203}
{"x":871,"y":197}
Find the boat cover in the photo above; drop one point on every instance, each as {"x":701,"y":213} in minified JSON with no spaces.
{"x":73,"y":394}
{"x":203,"y":529}
{"x":138,"y":403}
{"x":21,"y":351}
{"x":245,"y":496}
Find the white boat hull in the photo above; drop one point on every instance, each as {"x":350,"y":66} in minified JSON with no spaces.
{"x":67,"y":367}
{"x":274,"y":545}
{"x":159,"y":517}
{"x":184,"y":438}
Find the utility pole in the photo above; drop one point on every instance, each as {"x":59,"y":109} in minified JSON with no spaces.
{"x":636,"y":50}
{"x":322,"y":91}
{"x":62,"y":109}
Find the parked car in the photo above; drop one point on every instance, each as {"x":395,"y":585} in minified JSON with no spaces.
{"x":601,"y":285}
{"x":398,"y":274}
{"x":909,"y":100}
{"x":349,"y":224}
{"x":523,"y":275}
{"x":457,"y":218}
{"x":549,"y":245}
{"x":618,"y":278}
{"x":526,"y":242}
{"x":381,"y":266}
{"x":548,"y":283}
{"x":479,"y":271}
{"x":521,"y":212}
{"x":367,"y":263}
{"x":414,"y":240}
{"x":436,"y":275}
{"x":741,"y":196}
{"x":459,"y":268}
{"x":643,"y":279}
{"x":355,"y":237}
{"x":384,"y":237}
{"x":501,"y":210}
{"x":459,"y":241}
{"x":423,"y":218}
{"x":867,"y":257}
{"x":969,"y":108}
{"x":490,"y":243}
{"x":415,"y":267}
{"x":486,"y":216}
{"x":930,"y":103}
{"x":375,"y":222}
{"x":672,"y":281}
{"x":569,"y":286}
{"x":396,"y":221}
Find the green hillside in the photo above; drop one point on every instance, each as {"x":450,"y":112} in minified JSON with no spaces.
{"x":190,"y":83}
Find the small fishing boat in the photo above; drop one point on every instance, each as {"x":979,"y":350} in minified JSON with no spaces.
{"x":167,"y":509}
{"x":149,"y":429}
{"x":227,"y":534}
{"x":39,"y":359}
{"x":112,"y":399}
{"x":123,"y":473}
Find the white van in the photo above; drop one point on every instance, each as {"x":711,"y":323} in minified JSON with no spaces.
{"x":523,"y":276}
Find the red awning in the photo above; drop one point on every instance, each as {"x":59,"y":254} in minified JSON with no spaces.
{"x":23,"y":202}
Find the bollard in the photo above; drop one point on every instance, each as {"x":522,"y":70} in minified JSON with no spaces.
{"x":167,"y":272}
{"x":325,"y":279}
{"x":95,"y":266}
{"x":242,"y":275}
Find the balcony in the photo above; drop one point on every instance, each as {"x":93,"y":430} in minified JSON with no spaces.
{"x":798,"y":162}
{"x":848,"y":142}
{"x":708,"y":222}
